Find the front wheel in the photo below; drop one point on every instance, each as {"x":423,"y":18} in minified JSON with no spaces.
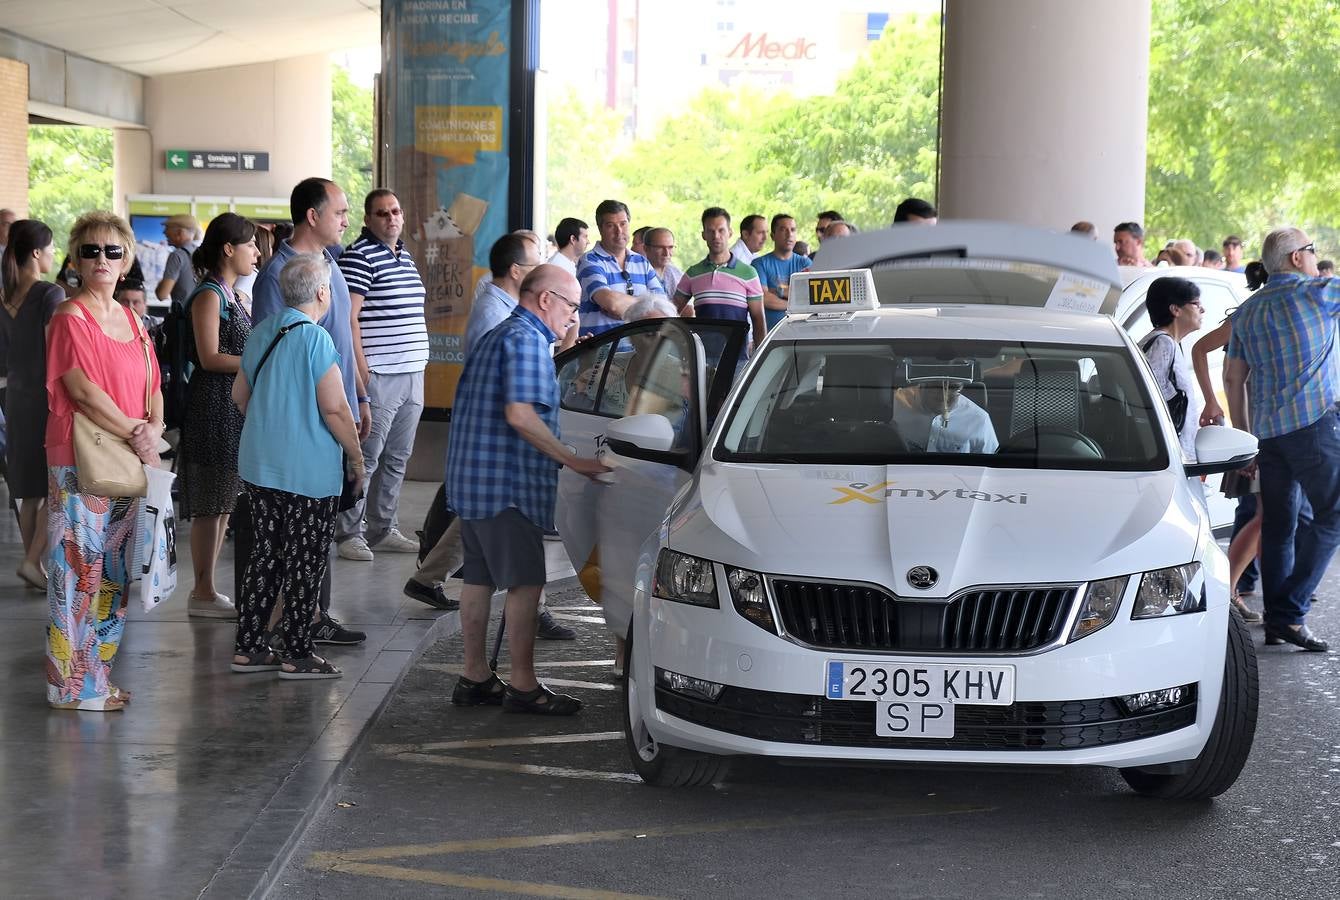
{"x":654,"y":762}
{"x":1225,"y":753}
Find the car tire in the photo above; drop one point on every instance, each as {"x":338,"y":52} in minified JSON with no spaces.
{"x":1230,"y":743}
{"x":656,"y":763}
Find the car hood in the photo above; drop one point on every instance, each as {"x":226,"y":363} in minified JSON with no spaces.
{"x":973,"y":525}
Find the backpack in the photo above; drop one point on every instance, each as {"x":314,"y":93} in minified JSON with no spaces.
{"x":175,"y":345}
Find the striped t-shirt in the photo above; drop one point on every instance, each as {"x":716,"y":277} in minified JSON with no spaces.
{"x":395,"y":337}
{"x":598,"y":269}
{"x":721,"y":291}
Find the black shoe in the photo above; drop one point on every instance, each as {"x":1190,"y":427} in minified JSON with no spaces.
{"x":479,"y":693}
{"x":1303,"y":637}
{"x":328,"y":631}
{"x":434,"y":596}
{"x":540,"y":702}
{"x":550,"y":629}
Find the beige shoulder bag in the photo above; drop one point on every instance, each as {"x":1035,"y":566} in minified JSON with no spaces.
{"x":106,"y":465}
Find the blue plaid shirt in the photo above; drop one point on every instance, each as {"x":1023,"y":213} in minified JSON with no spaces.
{"x":1286,"y":333}
{"x":490,"y":466}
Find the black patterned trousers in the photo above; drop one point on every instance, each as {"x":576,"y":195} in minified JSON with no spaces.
{"x":288,"y":561}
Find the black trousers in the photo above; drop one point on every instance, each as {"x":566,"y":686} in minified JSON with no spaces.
{"x":291,"y":536}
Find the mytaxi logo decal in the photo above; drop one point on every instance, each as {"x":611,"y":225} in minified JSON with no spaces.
{"x":862,"y":492}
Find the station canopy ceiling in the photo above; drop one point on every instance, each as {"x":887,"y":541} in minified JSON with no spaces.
{"x":158,"y":37}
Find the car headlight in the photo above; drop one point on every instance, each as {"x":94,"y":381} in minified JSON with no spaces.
{"x":1170,"y":592}
{"x":1101,"y":602}
{"x":750,"y":597}
{"x":685,"y":579}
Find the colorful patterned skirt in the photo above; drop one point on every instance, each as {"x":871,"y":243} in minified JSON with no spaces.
{"x":92,"y":545}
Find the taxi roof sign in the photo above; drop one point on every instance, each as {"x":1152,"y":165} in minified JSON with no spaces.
{"x":843,"y":291}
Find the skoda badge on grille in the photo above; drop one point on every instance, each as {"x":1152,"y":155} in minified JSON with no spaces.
{"x":922,"y":577}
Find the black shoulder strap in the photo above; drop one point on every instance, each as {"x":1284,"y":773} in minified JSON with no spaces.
{"x":270,"y":349}
{"x":1172,"y":375}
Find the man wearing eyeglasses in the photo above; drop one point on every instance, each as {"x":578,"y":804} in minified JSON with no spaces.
{"x":611,"y":274}
{"x":660,"y":245}
{"x":390,"y":340}
{"x":1284,"y":338}
{"x":503,"y":457}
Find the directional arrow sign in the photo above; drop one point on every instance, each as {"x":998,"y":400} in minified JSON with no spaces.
{"x":217,"y":160}
{"x":177,"y":159}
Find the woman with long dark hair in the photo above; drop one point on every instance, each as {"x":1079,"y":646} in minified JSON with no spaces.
{"x":213,"y":424}
{"x":29,"y":303}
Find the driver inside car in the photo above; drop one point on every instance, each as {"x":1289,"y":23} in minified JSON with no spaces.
{"x":934,"y":417}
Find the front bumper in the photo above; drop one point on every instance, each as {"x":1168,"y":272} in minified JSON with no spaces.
{"x":1065,"y":710}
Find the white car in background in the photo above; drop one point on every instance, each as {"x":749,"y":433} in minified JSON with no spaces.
{"x":802,"y":570}
{"x":1221,"y":292}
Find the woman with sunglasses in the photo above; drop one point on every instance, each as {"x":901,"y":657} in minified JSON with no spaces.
{"x":100,"y":362}
{"x":213,"y":424}
{"x":1175,"y":311}
{"x":29,"y":302}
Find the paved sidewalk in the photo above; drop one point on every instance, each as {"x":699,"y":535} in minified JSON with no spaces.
{"x":204,"y":782}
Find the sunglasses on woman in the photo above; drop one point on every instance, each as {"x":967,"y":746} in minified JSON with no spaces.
{"x":93,"y":251}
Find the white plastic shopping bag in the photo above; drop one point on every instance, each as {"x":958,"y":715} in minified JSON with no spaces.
{"x":158,"y":528}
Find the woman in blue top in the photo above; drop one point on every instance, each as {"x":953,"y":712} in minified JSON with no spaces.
{"x":297,"y":422}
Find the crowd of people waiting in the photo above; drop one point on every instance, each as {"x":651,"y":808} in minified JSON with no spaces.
{"x":305,"y":387}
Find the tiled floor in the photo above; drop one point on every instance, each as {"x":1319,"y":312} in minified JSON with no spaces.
{"x":201,"y":783}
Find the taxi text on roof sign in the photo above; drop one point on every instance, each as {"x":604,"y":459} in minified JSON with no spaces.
{"x":832,"y":292}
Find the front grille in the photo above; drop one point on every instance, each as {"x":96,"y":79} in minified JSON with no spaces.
{"x":863,"y":617}
{"x":801,"y":719}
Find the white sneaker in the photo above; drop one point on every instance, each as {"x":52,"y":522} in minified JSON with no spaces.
{"x":218,"y":608}
{"x":396,"y":542}
{"x":355,"y":548}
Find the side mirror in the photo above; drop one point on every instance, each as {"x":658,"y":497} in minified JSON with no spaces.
{"x":1221,"y":449}
{"x":645,"y":432}
{"x":648,"y":437}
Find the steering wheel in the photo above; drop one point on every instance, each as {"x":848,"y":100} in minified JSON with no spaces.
{"x":1054,"y":440}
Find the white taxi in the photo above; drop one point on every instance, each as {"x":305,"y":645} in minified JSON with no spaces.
{"x":940,"y":516}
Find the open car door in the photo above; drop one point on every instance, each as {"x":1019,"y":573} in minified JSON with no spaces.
{"x":680,"y":369}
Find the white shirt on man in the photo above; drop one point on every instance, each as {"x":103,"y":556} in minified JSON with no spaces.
{"x":968,"y":429}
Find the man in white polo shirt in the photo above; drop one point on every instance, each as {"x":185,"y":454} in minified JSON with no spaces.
{"x":391,"y":349}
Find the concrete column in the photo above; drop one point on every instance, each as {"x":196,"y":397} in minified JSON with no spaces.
{"x":14,"y":136}
{"x":132,"y":166}
{"x":1045,"y":111}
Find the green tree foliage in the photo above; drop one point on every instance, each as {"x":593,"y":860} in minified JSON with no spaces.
{"x":1240,"y":113}
{"x":861,"y":150}
{"x":352,"y":139}
{"x":69,"y":174}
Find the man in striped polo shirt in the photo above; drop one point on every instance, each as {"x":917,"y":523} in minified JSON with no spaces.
{"x":611,"y":274}
{"x":721,"y":287}
{"x":391,"y":350}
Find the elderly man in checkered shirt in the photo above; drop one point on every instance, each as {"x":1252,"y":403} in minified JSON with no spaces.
{"x":503,"y":458}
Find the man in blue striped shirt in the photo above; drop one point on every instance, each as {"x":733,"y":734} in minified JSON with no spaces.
{"x":503,"y":457}
{"x":611,"y":274}
{"x":1284,"y":337}
{"x":391,"y":349}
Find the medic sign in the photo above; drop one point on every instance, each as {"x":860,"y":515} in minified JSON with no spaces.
{"x":760,"y":47}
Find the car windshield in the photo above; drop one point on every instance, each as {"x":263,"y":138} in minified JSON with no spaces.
{"x":971,"y":403}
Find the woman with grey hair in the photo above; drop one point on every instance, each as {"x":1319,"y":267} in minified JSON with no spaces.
{"x":297,"y":422}
{"x":652,"y":306}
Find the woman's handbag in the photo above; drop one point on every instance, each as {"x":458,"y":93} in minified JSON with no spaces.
{"x":1177,"y":403}
{"x":106,"y":465}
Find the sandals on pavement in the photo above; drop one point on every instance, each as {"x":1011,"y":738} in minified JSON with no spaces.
{"x":309,"y":668}
{"x":1249,"y":615}
{"x":479,"y":693}
{"x":540,"y":702}
{"x":262,"y":661}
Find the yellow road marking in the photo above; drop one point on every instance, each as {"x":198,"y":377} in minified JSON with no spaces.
{"x":914,"y":809}
{"x":477,"y":883}
{"x":491,"y":765}
{"x":503,"y":742}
